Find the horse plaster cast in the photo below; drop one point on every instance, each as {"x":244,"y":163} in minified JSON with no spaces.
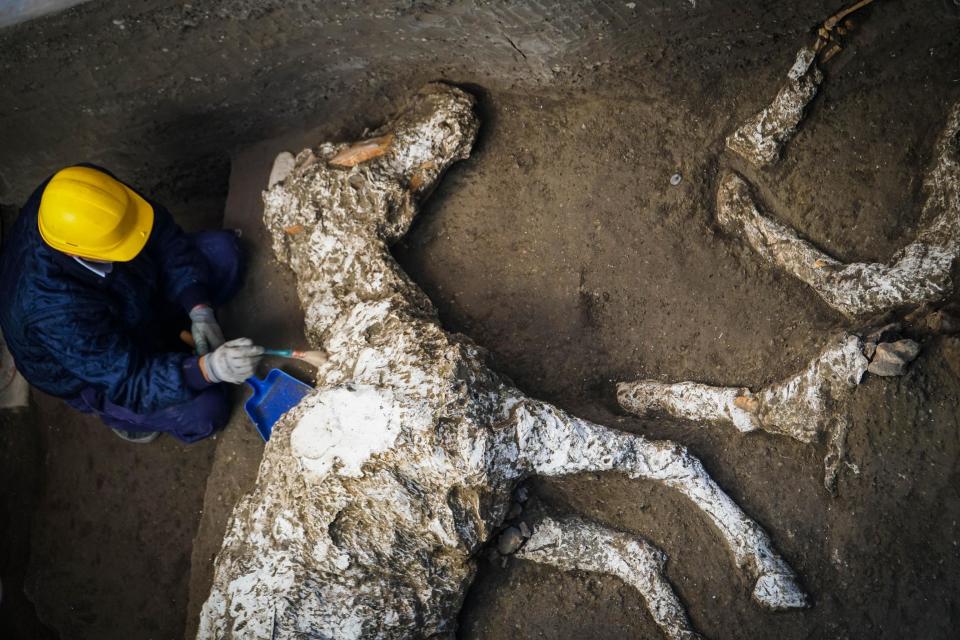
{"x":377,"y":492}
{"x":810,"y":404}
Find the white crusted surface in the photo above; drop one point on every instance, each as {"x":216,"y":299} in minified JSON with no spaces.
{"x":761,"y":138}
{"x":576,"y":543}
{"x":918,"y":273}
{"x":688,"y":401}
{"x":375,"y":492}
{"x":344,"y":427}
{"x":553,"y":442}
{"x":801,"y":406}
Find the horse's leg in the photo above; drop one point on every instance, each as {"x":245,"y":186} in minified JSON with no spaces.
{"x":553,"y":443}
{"x":573,"y":543}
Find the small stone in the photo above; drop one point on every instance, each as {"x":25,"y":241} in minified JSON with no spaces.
{"x":747,"y":403}
{"x":918,"y":315}
{"x":942,"y":322}
{"x":521,"y":494}
{"x":675,"y":179}
{"x":892,"y":358}
{"x":357,"y":181}
{"x":524,"y":529}
{"x":886,"y":333}
{"x":509,"y":541}
{"x":516,"y":510}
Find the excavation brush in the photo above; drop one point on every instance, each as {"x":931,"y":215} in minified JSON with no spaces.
{"x":313,"y":358}
{"x":278,"y":392}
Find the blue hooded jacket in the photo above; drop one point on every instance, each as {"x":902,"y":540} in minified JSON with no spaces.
{"x":69,"y":328}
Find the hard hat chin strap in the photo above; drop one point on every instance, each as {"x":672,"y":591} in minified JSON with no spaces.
{"x":99,"y":267}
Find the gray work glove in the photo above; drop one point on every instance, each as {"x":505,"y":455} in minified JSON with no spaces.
{"x":207,"y":334}
{"x":233,"y":362}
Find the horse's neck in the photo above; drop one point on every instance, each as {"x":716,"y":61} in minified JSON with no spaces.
{"x":350,"y":275}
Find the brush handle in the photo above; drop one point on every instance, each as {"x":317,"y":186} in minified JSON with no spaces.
{"x":283,"y":353}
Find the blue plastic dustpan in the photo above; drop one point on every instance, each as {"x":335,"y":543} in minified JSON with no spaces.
{"x":272,"y":397}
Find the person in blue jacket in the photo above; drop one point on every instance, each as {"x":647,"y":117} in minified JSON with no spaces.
{"x":96,"y":284}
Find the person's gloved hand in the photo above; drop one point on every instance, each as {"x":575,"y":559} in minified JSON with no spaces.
{"x":207,"y":334}
{"x":233,"y":362}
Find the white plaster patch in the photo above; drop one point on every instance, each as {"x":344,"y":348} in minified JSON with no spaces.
{"x":345,"y":427}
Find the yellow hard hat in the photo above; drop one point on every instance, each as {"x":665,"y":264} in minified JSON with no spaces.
{"x":87,"y":213}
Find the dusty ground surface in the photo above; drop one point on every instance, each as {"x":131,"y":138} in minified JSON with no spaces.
{"x":560,"y":246}
{"x":20,"y":476}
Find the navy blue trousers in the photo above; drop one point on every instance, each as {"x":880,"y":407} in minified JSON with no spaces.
{"x":209,"y":410}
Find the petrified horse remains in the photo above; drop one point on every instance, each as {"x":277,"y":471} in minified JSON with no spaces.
{"x":811,"y":403}
{"x":808,"y":406}
{"x":805,"y":406}
{"x":761,"y":138}
{"x":918,"y":273}
{"x":376,"y":493}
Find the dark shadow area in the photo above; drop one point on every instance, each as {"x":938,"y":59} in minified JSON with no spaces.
{"x":21,"y":484}
{"x":21,"y":478}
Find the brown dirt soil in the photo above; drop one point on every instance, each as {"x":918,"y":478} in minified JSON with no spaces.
{"x":110,"y":548}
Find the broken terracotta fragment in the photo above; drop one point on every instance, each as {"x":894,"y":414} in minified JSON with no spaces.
{"x":362,"y":152}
